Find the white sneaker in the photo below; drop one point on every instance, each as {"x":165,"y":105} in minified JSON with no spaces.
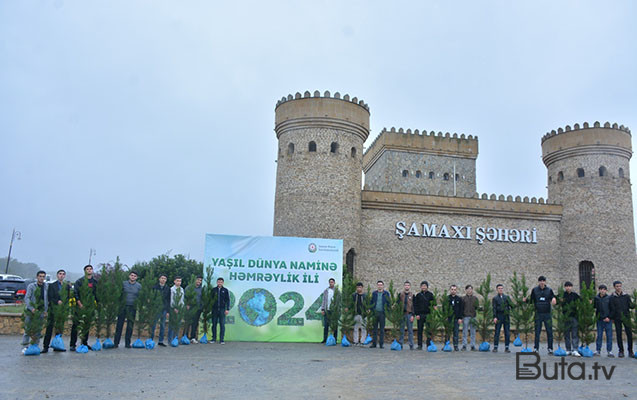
{"x":194,"y":341}
{"x":23,"y":350}
{"x":568,"y":353}
{"x":222,"y":342}
{"x":596,"y":353}
{"x":575,"y":353}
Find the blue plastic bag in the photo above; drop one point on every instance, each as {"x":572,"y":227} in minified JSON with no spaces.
{"x":108,"y":344}
{"x":396,"y":346}
{"x":484,"y":346}
{"x":586,"y":352}
{"x":174,"y":342}
{"x":432,"y":347}
{"x":204,"y":339}
{"x":345,"y":342}
{"x":32,"y":350}
{"x":331,"y":341}
{"x":560,"y":352}
{"x":149,"y":344}
{"x":185,"y":340}
{"x":368,"y":340}
{"x":526,"y":350}
{"x":97,"y":346}
{"x":447,"y":347}
{"x":517,"y":342}
{"x":57,"y":343}
{"x":138,"y":344}
{"x":82,"y":349}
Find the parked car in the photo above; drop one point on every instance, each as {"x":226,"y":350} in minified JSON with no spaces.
{"x":13,"y":290}
{"x":10,"y":277}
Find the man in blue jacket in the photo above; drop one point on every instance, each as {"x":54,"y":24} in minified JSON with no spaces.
{"x":380,"y":300}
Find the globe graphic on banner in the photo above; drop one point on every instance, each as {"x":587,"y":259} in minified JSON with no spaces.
{"x":257,"y":307}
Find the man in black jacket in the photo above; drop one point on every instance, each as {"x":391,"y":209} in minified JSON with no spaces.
{"x":422,"y":303}
{"x":620,"y":305}
{"x":569,"y":303}
{"x":92,"y":284}
{"x":220,"y":309}
{"x":604,"y":325}
{"x":501,"y":316}
{"x":543,"y":298}
{"x":359,"y":321}
{"x":456,"y":304}
{"x":164,"y":291}
{"x":54,"y":300}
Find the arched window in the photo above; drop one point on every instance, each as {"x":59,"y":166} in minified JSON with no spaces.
{"x":334,"y":147}
{"x":560,"y":176}
{"x":349,"y":262}
{"x":580,"y":172}
{"x":431,"y":175}
{"x":445,"y":176}
{"x":353,"y":152}
{"x":418,"y":174}
{"x":621,"y":172}
{"x":312,"y":146}
{"x":586,"y":274}
{"x":290,"y":148}
{"x":405,"y":173}
{"x":457,"y":177}
{"x":602,"y":171}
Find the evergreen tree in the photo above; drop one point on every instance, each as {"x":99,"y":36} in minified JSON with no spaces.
{"x":111,"y":295}
{"x":190,"y":300}
{"x":86,"y":313}
{"x":433,"y":322}
{"x":522,"y":312}
{"x":334,"y":310}
{"x":208,"y":299}
{"x":394,"y":310}
{"x":176,"y":313}
{"x":369,"y":315}
{"x":149,"y":304}
{"x":348,"y":308}
{"x":61,"y":311}
{"x":33,"y":320}
{"x":178,"y":265}
{"x":484,"y":318}
{"x":445,"y":315}
{"x":561,"y":317}
{"x":586,"y":318}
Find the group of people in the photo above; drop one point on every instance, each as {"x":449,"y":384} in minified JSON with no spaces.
{"x":172,"y":298}
{"x":609,"y":309}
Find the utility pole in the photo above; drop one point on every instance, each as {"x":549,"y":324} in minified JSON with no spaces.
{"x":15,"y":235}
{"x":91,"y":253}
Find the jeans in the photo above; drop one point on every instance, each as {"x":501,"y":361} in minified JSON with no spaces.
{"x":128,"y":314}
{"x":629,"y":336}
{"x":502,"y":320}
{"x":410,"y":330}
{"x":570,"y":336}
{"x":194,"y":328}
{"x":26,"y":339}
{"x":326,"y":326}
{"x":379,"y":328}
{"x":456,"y":329}
{"x":467,"y":325}
{"x":49,"y":329}
{"x":359,"y":323}
{"x":548,"y":325}
{"x":162,"y":326}
{"x":606,"y":327}
{"x":420,"y":326}
{"x":220,"y":317}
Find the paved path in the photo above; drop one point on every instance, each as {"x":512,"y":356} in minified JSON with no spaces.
{"x":291,"y":371}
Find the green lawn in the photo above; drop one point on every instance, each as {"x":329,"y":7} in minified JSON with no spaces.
{"x":13,"y":308}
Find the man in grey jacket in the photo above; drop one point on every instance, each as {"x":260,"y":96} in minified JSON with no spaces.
{"x":131,"y":291}
{"x":30,"y":302}
{"x":328,"y":296}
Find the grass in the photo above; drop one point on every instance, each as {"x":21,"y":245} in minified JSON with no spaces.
{"x":12,"y":308}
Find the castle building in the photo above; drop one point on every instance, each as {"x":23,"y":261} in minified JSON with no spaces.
{"x":418,"y":215}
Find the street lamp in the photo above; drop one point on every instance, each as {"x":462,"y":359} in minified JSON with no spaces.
{"x":91,"y":253}
{"x":15,"y":235}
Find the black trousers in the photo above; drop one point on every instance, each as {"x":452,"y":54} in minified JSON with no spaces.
{"x":194,"y":327}
{"x":629,"y":336}
{"x":128,"y":314}
{"x":50,"y":321}
{"x":422,"y":323}
{"x":73,"y":340}
{"x":326,"y":327}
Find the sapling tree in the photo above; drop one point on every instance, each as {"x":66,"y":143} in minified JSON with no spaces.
{"x":433,"y":323}
{"x":522,"y":312}
{"x":190,"y":301}
{"x":208,"y":299}
{"x":394,"y":310}
{"x":369,"y":314}
{"x":86,"y":313}
{"x":445,"y":315}
{"x":176,"y":312}
{"x":348,"y":309}
{"x":110,"y":293}
{"x":334,"y":310}
{"x":149,"y":304}
{"x":33,"y":317}
{"x":61,"y":310}
{"x":484,"y":318}
{"x":561,"y":318}
{"x":586,"y":318}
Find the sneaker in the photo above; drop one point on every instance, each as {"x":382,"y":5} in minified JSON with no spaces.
{"x":575,"y":353}
{"x":213,"y":341}
{"x":473,"y":348}
{"x":44,"y":350}
{"x":536,"y":350}
{"x":381,"y":346}
{"x":495,"y":350}
{"x":373,"y":346}
{"x":128,"y":346}
{"x":596,"y":353}
{"x":631,"y":354}
{"x":116,"y":346}
{"x":568,"y":353}
{"x":464,"y":348}
{"x":411,"y":347}
{"x":419,"y":348}
{"x":72,"y":348}
{"x":60,"y":350}
{"x":621,"y":354}
{"x":222,"y":342}
{"x":455,"y":348}
{"x":611,"y":355}
{"x":506,"y":350}
{"x":194,"y":341}
{"x":161,"y":344}
{"x":24,"y":350}
{"x":550,"y":351}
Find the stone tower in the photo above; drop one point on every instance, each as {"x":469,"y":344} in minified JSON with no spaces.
{"x":589,"y":175}
{"x":319,"y":167}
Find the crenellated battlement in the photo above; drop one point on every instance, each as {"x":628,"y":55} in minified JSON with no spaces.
{"x":326,"y":95}
{"x":585,"y":125}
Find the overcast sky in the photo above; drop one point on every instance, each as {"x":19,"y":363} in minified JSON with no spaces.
{"x":135,"y":127}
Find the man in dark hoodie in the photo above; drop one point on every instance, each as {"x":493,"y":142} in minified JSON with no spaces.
{"x":456,"y":304}
{"x":543,"y":298}
{"x":194,"y":328}
{"x":569,"y":303}
{"x":422,"y":307}
{"x":92,"y":284}
{"x":501,"y":311}
{"x":164,"y":291}
{"x":619,"y":307}
{"x":359,"y":320}
{"x":54,"y":300}
{"x":604,"y":325}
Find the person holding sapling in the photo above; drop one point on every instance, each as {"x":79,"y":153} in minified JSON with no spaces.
{"x":190,"y":301}
{"x":35,"y":310}
{"x":406,"y":298}
{"x":543,"y":298}
{"x":176,"y":308}
{"x":328,"y":296}
{"x":455,"y":319}
{"x":485,"y":316}
{"x":601,"y":304}
{"x":358,"y":298}
{"x":110,"y":293}
{"x":379,"y":302}
{"x":422,"y":307}
{"x":58,"y":294}
{"x":502,"y":305}
{"x":395,"y":314}
{"x":149,"y":303}
{"x":220,"y":309}
{"x":433,"y":323}
{"x":620,"y":305}
{"x":86,"y":314}
{"x":83,"y":299}
{"x":208,"y":301}
{"x":369,"y":315}
{"x":131,"y":289}
{"x":569,"y":305}
{"x":522,"y":312}
{"x":346,"y":319}
{"x":164,"y":293}
{"x":470,"y":305}
{"x":194,"y":322}
{"x":586,"y":318}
